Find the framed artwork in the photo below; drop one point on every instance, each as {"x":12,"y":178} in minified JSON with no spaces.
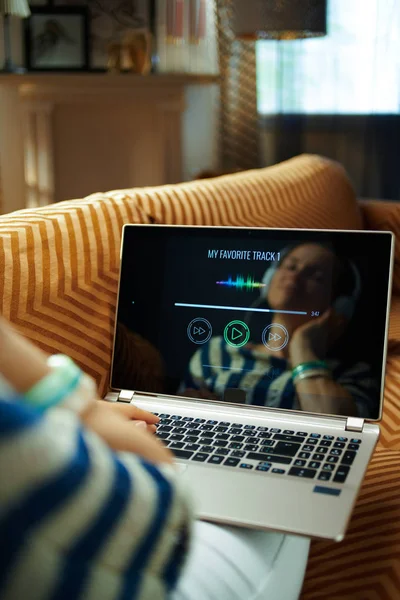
{"x":56,"y":39}
{"x":109,"y":20}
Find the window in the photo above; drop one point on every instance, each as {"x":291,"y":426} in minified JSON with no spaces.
{"x":355,"y":69}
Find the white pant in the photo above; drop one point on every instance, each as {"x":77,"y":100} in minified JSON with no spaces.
{"x":232,"y":563}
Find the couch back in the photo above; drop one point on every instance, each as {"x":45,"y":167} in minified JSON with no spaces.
{"x":59,"y":264}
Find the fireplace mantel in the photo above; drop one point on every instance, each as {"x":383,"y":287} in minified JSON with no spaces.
{"x":68,"y":135}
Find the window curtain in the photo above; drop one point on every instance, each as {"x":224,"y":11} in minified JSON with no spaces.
{"x":239,"y":134}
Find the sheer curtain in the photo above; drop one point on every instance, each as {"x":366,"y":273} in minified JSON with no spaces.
{"x":338,"y":95}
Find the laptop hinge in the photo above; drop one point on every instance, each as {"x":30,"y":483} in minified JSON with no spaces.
{"x":354,"y":424}
{"x":125,"y":396}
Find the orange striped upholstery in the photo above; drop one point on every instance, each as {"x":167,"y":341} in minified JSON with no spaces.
{"x":59,"y":267}
{"x":366,"y":565}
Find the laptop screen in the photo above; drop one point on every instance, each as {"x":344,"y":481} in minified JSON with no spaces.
{"x":284,"y":319}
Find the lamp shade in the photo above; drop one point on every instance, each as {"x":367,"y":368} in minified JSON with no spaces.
{"x":278,"y":19}
{"x":17,"y":8}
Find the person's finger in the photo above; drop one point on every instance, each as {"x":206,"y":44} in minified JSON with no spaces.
{"x":130,"y":411}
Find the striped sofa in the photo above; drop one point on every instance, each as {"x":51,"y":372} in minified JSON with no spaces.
{"x":59,"y":270}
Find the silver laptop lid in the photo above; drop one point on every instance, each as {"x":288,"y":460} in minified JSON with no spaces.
{"x":287,"y":319}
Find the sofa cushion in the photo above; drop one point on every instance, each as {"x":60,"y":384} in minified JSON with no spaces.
{"x":59,"y":267}
{"x":307,"y":191}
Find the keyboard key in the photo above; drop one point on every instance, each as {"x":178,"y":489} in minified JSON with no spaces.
{"x":278,"y":471}
{"x":234,"y":431}
{"x":251,"y":440}
{"x":249,"y":426}
{"x":237,"y":424}
{"x":182,"y":453}
{"x":326,"y":443}
{"x":215,"y":459}
{"x":211,"y":422}
{"x":348,"y":458}
{"x":305,"y":455}
{"x":163,"y":416}
{"x":329,"y":437}
{"x":180,"y":430}
{"x":299,"y":463}
{"x":164,"y":428}
{"x":237,"y":453}
{"x":207,"y":449}
{"x":199,"y":420}
{"x":275,"y":430}
{"x":341,"y":474}
{"x":315,"y":435}
{"x":312,"y":441}
{"x":222,"y":451}
{"x":249,"y":432}
{"x":269,"y":458}
{"x":308,"y":448}
{"x":250,"y":447}
{"x":264,"y":435}
{"x":222,"y":436}
{"x":179,"y":423}
{"x":286,"y":448}
{"x":200,"y":456}
{"x":318,"y":456}
{"x":156,"y":414}
{"x":288,"y":431}
{"x":231,"y":462}
{"x":322,"y":450}
{"x":191,"y":439}
{"x":328,"y":467}
{"x":220,"y":443}
{"x":302,"y":433}
{"x":339,"y":445}
{"x":173,"y":445}
{"x":165,"y":422}
{"x":266,"y":444}
{"x":355,"y":441}
{"x":332,"y":459}
{"x":225,"y":423}
{"x":353,"y":447}
{"x":299,"y":472}
{"x":237,"y":438}
{"x":263,"y":468}
{"x":176,"y":437}
{"x":261,"y":428}
{"x":207,"y":434}
{"x":324,"y":476}
{"x":246,"y":466}
{"x":206,"y":427}
{"x":221,"y":429}
{"x":335,"y":452}
{"x":314,"y":464}
{"x":288,"y":438}
{"x":342,"y":439}
{"x":176,"y":417}
{"x":235,"y":445}
{"x":162,"y":435}
{"x":188,"y":418}
{"x":193,"y":447}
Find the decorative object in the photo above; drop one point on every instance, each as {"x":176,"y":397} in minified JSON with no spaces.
{"x":278,"y":19}
{"x":56,"y":39}
{"x":132,"y":53}
{"x":111,"y":25}
{"x":9,"y":8}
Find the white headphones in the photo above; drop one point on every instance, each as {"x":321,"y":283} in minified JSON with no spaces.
{"x":344,"y":305}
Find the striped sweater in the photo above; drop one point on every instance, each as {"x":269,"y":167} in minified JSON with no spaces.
{"x":79,"y":521}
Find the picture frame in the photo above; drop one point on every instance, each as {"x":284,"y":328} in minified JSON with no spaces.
{"x":57,"y":39}
{"x":108,"y":19}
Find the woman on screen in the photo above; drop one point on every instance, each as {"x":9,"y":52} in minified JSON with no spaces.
{"x":294,"y":358}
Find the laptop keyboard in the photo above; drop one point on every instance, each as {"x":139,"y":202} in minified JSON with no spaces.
{"x":282,"y":452}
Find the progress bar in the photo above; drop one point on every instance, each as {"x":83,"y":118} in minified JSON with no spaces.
{"x":247,"y":309}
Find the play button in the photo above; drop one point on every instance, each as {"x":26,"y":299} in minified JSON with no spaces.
{"x":275,"y":337}
{"x":236,"y":334}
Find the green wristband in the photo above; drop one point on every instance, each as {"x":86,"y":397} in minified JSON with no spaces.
{"x":315,"y":364}
{"x":62,"y":380}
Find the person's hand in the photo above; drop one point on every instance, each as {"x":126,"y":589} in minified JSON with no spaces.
{"x":123,"y":428}
{"x":311,"y":341}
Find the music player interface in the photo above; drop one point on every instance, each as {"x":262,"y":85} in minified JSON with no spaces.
{"x":282,"y":317}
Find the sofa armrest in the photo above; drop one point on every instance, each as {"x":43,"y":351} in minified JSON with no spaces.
{"x":367,"y":563}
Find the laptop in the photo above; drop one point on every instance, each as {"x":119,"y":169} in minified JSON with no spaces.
{"x":263,"y":353}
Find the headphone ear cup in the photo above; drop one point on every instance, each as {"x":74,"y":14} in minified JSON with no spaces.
{"x":344,"y":305}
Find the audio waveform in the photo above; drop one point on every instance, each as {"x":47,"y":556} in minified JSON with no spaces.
{"x":241,"y":282}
